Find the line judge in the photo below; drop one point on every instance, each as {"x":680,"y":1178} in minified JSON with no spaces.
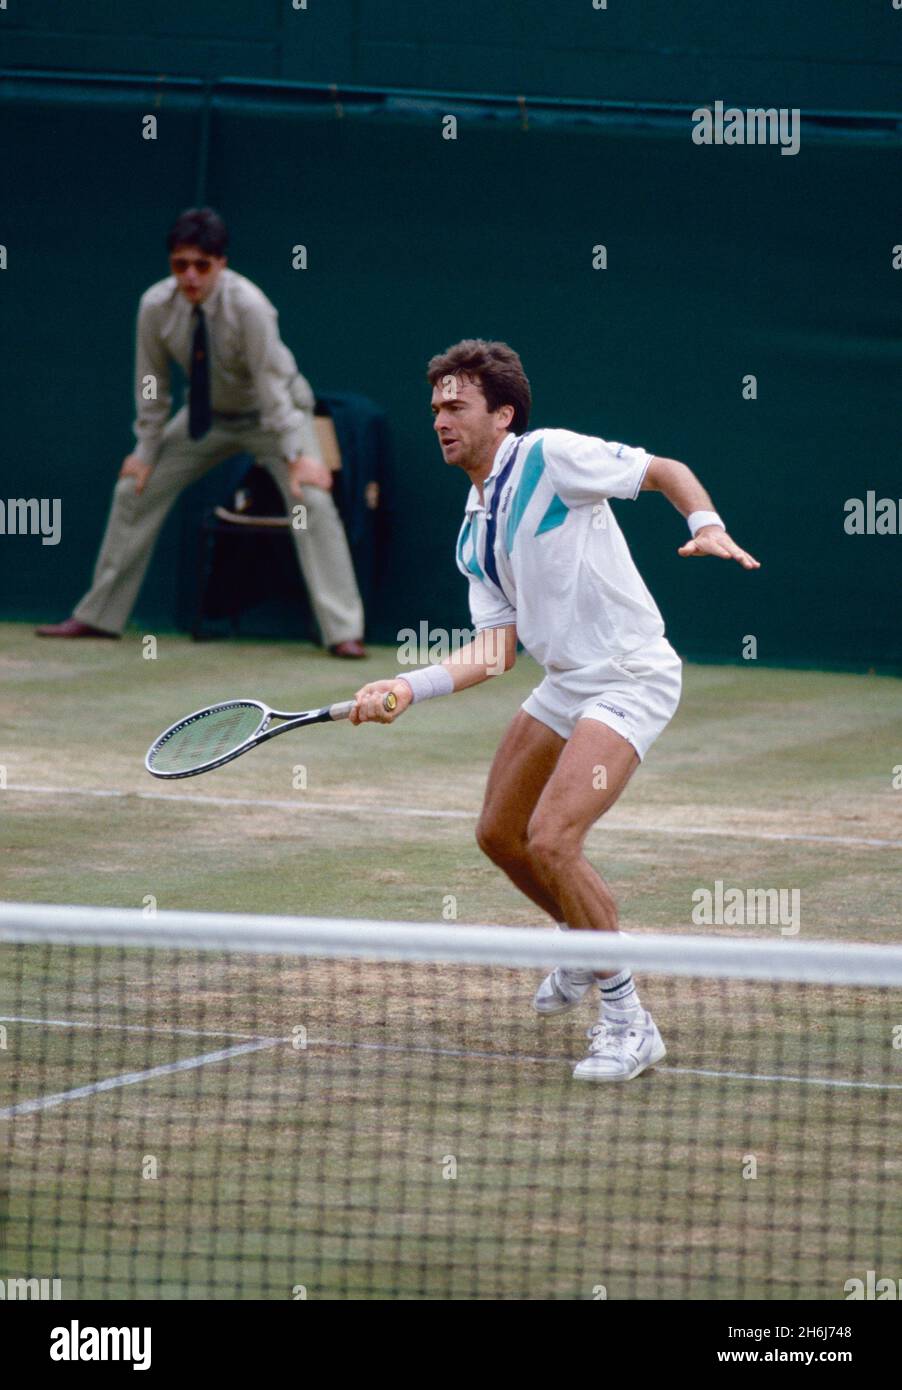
{"x":245,"y":395}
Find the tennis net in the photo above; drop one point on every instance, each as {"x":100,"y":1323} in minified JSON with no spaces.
{"x":218,"y":1106}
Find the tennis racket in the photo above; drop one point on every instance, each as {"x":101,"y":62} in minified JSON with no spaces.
{"x":213,"y":736}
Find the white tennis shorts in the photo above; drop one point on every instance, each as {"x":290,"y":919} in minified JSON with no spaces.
{"x":635,"y":694}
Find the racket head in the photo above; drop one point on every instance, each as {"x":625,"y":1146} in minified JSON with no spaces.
{"x":207,"y":738}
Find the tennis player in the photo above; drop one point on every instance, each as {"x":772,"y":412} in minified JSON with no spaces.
{"x":547,"y":564}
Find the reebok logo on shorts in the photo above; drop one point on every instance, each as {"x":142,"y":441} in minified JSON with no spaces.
{"x":620,"y":713}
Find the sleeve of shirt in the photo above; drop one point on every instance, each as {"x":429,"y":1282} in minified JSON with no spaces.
{"x":583,"y":469}
{"x":488,"y":609}
{"x":153,"y":390}
{"x":267,"y":359}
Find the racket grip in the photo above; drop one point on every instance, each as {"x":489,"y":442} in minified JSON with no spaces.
{"x":342,"y":709}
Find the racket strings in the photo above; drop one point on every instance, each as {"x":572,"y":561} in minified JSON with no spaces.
{"x":206,"y":736}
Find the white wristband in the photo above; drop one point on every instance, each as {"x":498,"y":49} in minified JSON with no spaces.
{"x":429,"y":681}
{"x":696,"y":520}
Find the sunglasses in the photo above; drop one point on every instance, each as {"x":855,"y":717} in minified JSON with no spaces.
{"x":182,"y":263}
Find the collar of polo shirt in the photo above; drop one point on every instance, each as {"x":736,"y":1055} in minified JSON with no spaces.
{"x":501,"y":457}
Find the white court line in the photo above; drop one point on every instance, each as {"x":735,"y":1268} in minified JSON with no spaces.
{"x":406,"y":1049}
{"x":670,"y":1071}
{"x":797,"y":1080}
{"x":425,"y":813}
{"x":130,"y":1027}
{"x":133,"y":1078}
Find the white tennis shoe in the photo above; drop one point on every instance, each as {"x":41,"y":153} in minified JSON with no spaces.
{"x":562,"y":990}
{"x":620,"y":1051}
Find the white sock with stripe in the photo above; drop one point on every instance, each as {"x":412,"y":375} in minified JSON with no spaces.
{"x":620,"y":999}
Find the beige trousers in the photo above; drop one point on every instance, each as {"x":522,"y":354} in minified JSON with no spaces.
{"x":135,"y":521}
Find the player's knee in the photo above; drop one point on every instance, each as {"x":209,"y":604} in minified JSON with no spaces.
{"x":552,"y":850}
{"x":496,"y":841}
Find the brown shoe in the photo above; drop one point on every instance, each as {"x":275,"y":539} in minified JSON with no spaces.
{"x":352,"y":650}
{"x":72,"y":628}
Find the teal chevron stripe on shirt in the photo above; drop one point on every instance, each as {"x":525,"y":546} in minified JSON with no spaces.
{"x":471,"y":563}
{"x":533,"y":468}
{"x":556,"y":515}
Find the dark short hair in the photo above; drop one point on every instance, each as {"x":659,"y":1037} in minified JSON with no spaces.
{"x":200,"y":227}
{"x":497,"y":369}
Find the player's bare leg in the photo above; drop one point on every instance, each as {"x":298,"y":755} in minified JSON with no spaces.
{"x":541,"y":798}
{"x":524,"y":765}
{"x":590,"y":775}
{"x":525,"y":760}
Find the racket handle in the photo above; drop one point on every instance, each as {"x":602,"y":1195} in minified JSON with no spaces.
{"x":342,"y":709}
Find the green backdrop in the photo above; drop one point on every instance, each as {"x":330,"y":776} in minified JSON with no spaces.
{"x":830,"y":55}
{"x":722,"y":262}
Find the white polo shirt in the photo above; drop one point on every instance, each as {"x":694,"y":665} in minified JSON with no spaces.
{"x":544,"y":550}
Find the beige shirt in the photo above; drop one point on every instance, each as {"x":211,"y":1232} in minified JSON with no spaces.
{"x":251,"y":369}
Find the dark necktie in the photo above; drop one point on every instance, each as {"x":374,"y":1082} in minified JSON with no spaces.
{"x":199,"y":415}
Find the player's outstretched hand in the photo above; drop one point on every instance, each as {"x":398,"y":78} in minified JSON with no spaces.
{"x":370,"y":704}
{"x":713,"y":540}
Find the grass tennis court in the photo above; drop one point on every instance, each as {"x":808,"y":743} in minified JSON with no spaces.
{"x":765,"y":779}
{"x":327,"y":1167}
{"x":385,"y":825}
